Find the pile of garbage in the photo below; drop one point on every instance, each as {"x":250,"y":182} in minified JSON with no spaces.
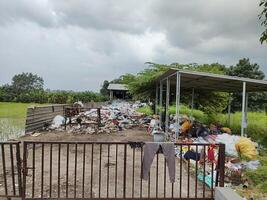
{"x":113,"y":117}
{"x":241,"y":152}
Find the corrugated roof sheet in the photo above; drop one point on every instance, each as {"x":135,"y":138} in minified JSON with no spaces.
{"x":113,"y":86}
{"x":214,"y":82}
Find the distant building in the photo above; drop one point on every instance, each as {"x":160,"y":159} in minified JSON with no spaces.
{"x":118,"y":91}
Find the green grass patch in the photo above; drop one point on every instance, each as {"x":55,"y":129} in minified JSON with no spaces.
{"x":12,"y":119}
{"x":258,"y":178}
{"x":145,"y":110}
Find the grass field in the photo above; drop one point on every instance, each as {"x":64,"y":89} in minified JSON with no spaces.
{"x":12,"y":119}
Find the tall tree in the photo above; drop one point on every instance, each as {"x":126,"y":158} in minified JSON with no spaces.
{"x":244,"y":68}
{"x":104,"y":89}
{"x":263,"y":18}
{"x":26,"y":82}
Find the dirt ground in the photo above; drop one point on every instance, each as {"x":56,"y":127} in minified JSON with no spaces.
{"x":65,"y":170}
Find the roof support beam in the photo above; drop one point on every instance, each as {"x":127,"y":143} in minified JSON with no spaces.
{"x":167,"y":106}
{"x":243,"y":122}
{"x":178,"y":90}
{"x":160,"y":102}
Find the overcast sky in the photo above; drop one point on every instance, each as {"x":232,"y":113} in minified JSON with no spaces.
{"x":76,"y":44}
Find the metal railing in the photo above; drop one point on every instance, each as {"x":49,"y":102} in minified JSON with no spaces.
{"x":10,"y":170}
{"x":111,"y":170}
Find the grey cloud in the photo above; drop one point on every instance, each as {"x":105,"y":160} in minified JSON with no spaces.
{"x":76,"y":44}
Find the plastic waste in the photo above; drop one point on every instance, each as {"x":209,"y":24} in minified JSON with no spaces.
{"x":229,"y":141}
{"x":245,"y":147}
{"x":251,"y":165}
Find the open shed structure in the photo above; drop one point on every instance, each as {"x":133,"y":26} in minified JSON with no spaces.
{"x":176,"y":80}
{"x":117,"y":91}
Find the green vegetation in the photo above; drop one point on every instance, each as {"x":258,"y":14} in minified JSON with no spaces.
{"x":257,"y":121}
{"x":258,"y":178}
{"x":263,"y":18}
{"x":12,"y":119}
{"x":146,"y":110}
{"x":27,"y":87}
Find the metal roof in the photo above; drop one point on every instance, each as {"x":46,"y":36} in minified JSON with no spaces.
{"x":113,"y":86}
{"x":213,"y":82}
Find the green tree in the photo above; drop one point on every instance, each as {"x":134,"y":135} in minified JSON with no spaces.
{"x":26,"y":82}
{"x":104,"y":89}
{"x":244,"y":68}
{"x":263,"y":19}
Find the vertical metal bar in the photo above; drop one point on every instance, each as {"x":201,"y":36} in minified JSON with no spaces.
{"x":229,"y":109}
{"x":133,"y":172}
{"x":19,"y":169}
{"x":196,"y":171}
{"x":160,"y":102}
{"x":167,"y":106}
{"x":148,"y":190}
{"x":108,"y":171}
{"x":51,"y":170}
{"x":67,"y":172}
{"x":243,"y":122}
{"x":212,"y":172}
{"x":172,"y":190}
{"x":178,"y":90}
{"x":141,"y":180}
{"x":75,"y":171}
{"x":4,"y":168}
{"x":58,"y":172}
{"x":204,"y":171}
{"x":42,"y":173}
{"x":92,"y":170}
{"x":100,"y":159}
{"x":83,"y":181}
{"x":33,"y":169}
{"x":157,"y":175}
{"x":12,"y":168}
{"x":164,"y":184}
{"x":181,"y":166}
{"x":222,"y":161}
{"x":24,"y":169}
{"x":246,"y":114}
{"x":188,"y":176}
{"x":124,"y":171}
{"x":116,"y":170}
{"x":157,"y":98}
{"x":192,"y":102}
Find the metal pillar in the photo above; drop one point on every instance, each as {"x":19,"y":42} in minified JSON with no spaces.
{"x":160,"y":102}
{"x":157,"y":99}
{"x":178,"y":87}
{"x":246,"y":114}
{"x":229,"y":109}
{"x":167,"y":105}
{"x":192,"y":101}
{"x":243,"y":122}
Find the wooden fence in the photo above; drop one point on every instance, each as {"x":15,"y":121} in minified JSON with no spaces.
{"x":38,"y":116}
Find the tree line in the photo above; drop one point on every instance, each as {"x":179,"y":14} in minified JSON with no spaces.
{"x":28,"y":88}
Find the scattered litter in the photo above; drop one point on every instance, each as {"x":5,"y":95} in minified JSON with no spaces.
{"x":36,"y":134}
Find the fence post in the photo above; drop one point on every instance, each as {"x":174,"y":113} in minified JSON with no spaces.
{"x":19,"y":163}
{"x":221,"y":163}
{"x":24,"y":170}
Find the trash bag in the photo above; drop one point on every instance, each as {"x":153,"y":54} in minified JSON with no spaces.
{"x":245,"y":147}
{"x":226,"y":130}
{"x":229,"y":141}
